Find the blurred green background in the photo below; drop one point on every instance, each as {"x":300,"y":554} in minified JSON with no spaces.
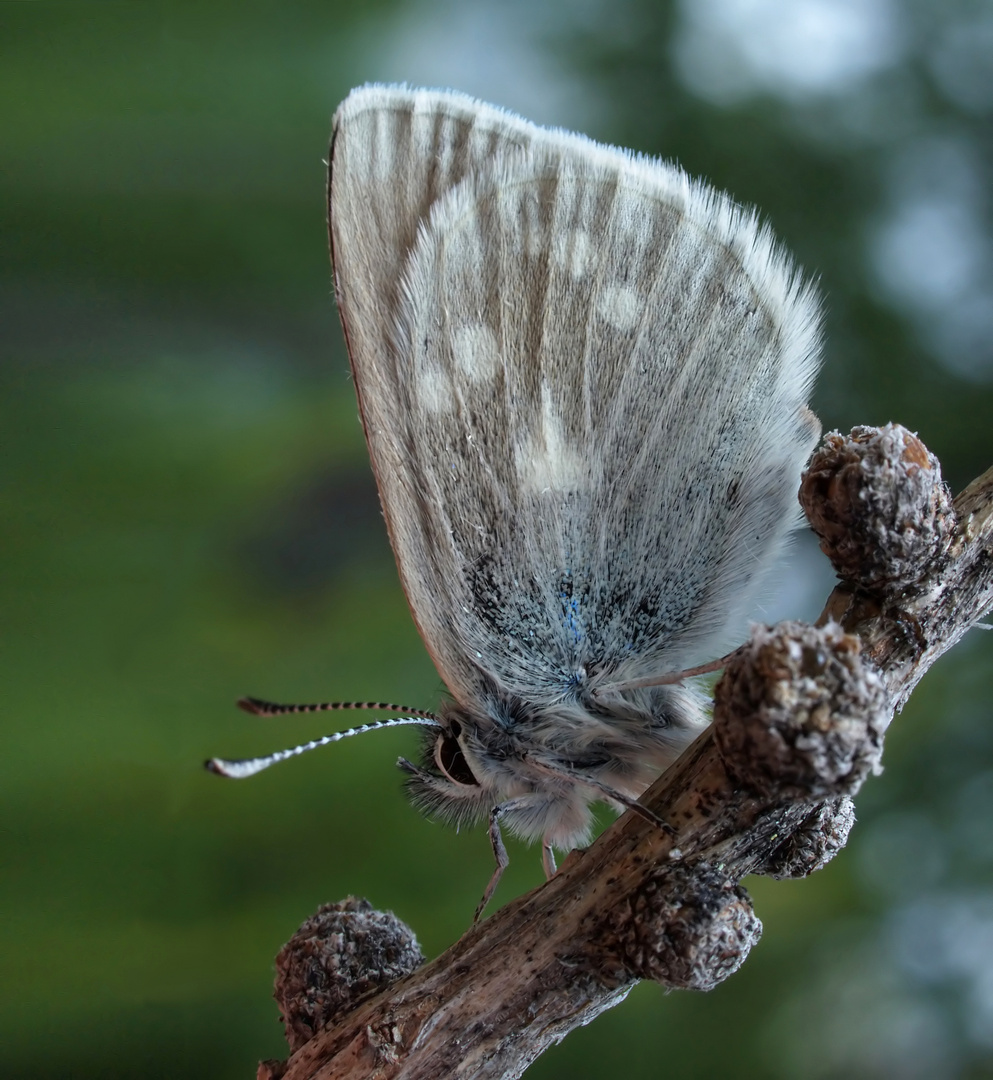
{"x":189,"y":514}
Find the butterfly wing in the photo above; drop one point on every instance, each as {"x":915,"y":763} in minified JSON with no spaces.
{"x":582,"y":380}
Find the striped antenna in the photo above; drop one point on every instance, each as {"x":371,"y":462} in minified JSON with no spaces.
{"x":267,"y":708}
{"x":238,"y":770}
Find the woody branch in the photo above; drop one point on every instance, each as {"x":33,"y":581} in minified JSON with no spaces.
{"x":799,"y":719}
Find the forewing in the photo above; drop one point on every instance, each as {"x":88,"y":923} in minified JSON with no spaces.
{"x":582,"y":382}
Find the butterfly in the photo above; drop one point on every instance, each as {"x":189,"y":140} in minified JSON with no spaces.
{"x":582,"y":378}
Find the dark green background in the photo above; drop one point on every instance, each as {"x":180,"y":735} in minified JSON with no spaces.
{"x":188,"y":515}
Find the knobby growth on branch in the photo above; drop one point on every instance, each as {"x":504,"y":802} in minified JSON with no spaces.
{"x":799,"y":719}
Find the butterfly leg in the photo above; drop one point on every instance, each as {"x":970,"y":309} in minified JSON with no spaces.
{"x":502,"y":860}
{"x":627,"y":801}
{"x":499,"y":850}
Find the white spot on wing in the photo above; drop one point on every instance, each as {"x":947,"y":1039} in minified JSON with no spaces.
{"x":573,"y":251}
{"x":434,"y":390}
{"x":621,"y":307}
{"x":545,"y":462}
{"x":477,"y":352}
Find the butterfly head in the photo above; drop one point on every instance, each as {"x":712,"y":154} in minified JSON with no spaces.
{"x":541,"y":768}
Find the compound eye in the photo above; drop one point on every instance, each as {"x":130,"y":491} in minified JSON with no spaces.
{"x":450,"y":759}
